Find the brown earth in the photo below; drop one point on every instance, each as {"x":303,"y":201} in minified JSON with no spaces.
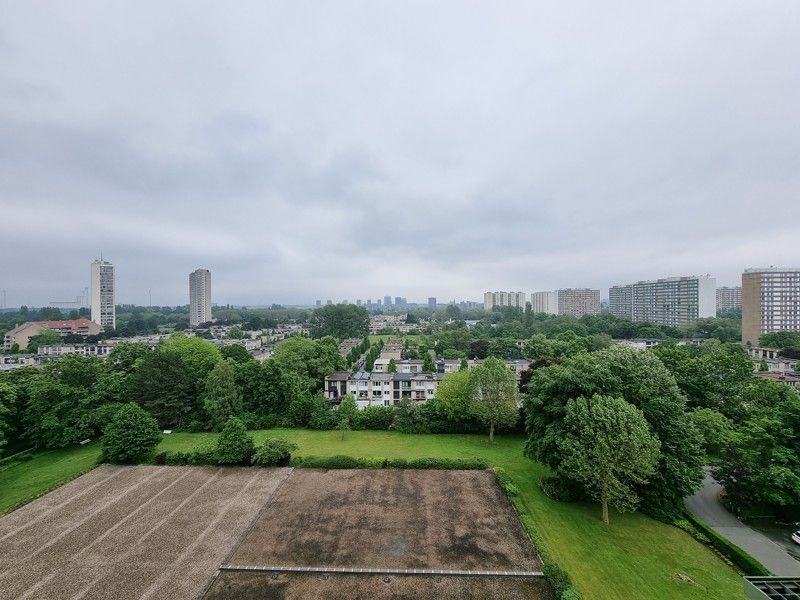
{"x":131,"y":532}
{"x":398,"y":519}
{"x":305,"y":586}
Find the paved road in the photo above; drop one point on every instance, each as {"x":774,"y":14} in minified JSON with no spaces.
{"x":706,"y":505}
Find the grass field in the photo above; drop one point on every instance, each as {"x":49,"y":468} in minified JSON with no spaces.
{"x":635,"y":557}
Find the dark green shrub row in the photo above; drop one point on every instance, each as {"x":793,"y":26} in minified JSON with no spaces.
{"x":204,"y":456}
{"x":740,"y":558}
{"x":377,"y":462}
{"x":506,"y":483}
{"x":560,"y":489}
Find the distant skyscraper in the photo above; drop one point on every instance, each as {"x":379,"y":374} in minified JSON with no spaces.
{"x":103,"y":310}
{"x":544,"y":302}
{"x":670,"y":301}
{"x":515,"y":299}
{"x":387,"y":301}
{"x":578,"y":301}
{"x":199,"y":297}
{"x":431,"y":301}
{"x":319,"y":303}
{"x":770,"y":302}
{"x":729,"y":298}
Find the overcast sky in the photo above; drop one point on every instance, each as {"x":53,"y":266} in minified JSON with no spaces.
{"x":305,"y":150}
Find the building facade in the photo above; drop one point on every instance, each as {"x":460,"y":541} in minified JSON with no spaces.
{"x":431,"y":301}
{"x":671,"y":301}
{"x":199,"y":297}
{"x":577,"y":302}
{"x":544,"y":302}
{"x":503,"y":299}
{"x":103,"y":295}
{"x":21,"y":334}
{"x":729,"y":298}
{"x":770,"y":302}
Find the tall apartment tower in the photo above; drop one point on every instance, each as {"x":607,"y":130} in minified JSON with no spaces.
{"x":431,"y":301}
{"x":515,"y":299}
{"x":102,"y":294}
{"x":577,"y":302}
{"x":544,"y":302}
{"x":199,"y":297}
{"x":670,"y":301}
{"x":729,"y":298}
{"x":770,"y":302}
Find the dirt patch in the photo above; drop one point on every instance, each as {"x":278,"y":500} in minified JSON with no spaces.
{"x":300,"y":586}
{"x":398,"y":519}
{"x":131,"y":532}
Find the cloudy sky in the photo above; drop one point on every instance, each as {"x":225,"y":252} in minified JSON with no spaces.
{"x":305,"y":150}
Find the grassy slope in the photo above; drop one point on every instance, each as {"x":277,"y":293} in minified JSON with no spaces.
{"x":635,"y":557}
{"x":21,"y":482}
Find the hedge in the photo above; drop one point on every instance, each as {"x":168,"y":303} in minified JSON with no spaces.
{"x":749,"y":565}
{"x":204,"y":456}
{"x":377,"y":462}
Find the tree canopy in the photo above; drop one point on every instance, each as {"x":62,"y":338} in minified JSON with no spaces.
{"x":340,"y":321}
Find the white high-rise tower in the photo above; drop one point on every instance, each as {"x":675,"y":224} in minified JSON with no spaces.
{"x":199,"y":297}
{"x":103,"y":312}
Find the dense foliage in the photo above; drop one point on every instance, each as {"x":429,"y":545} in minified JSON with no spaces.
{"x":131,"y":435}
{"x":339,"y":320}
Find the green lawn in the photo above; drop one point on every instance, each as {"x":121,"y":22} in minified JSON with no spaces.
{"x":634,"y":558}
{"x":21,"y":482}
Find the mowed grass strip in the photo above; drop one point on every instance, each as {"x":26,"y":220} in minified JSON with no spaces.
{"x":21,"y":482}
{"x":636,"y":557}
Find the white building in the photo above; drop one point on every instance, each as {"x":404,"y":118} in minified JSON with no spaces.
{"x":671,"y":301}
{"x":502,"y":299}
{"x":577,"y":302}
{"x":544,"y":302}
{"x":199,"y":297}
{"x":770,"y":302}
{"x":103,"y":283}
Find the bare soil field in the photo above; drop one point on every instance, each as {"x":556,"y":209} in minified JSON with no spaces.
{"x":131,"y":532}
{"x":304,"y":586}
{"x":399,"y":519}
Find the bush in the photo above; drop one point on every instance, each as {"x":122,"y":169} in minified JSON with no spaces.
{"x":691,"y":530}
{"x":322,"y":416}
{"x":131,"y":435}
{"x":374,"y":417}
{"x":560,"y":489}
{"x":275,"y":452}
{"x":330,"y":462}
{"x":505,"y":482}
{"x":204,"y":456}
{"x":410,"y":417}
{"x":749,"y":565}
{"x":234,"y":445}
{"x":377,"y":462}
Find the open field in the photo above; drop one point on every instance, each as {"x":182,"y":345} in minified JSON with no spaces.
{"x":131,"y":532}
{"x":634,"y":558}
{"x":400,"y":519}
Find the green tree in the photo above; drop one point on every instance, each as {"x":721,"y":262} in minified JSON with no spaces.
{"x":46,"y":337}
{"x":464,"y":365}
{"x":221,"y":399}
{"x":234,"y":445}
{"x":123,"y":357}
{"x":8,"y":400}
{"x":392,"y":368}
{"x":162,"y":385}
{"x":340,"y":321}
{"x":763,"y":366}
{"x":496,"y":395}
{"x":607,"y":447}
{"x":234,"y":333}
{"x":131,"y":435}
{"x":311,"y":360}
{"x":274,"y":452}
{"x":198,"y":355}
{"x":237,"y":353}
{"x":714,"y":427}
{"x":427,"y":363}
{"x":455,"y":397}
{"x":641,"y":379}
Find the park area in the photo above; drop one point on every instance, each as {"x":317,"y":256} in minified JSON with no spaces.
{"x":635,"y":557}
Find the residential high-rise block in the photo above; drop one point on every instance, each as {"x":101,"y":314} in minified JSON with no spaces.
{"x":431,"y":301}
{"x":102,"y":278}
{"x":770,"y":302}
{"x":544,"y":302}
{"x":671,"y":301}
{"x":577,"y":302}
{"x":387,"y":301}
{"x":199,"y":297}
{"x":729,"y":298}
{"x":502,"y":299}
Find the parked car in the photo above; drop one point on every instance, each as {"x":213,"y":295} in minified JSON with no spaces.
{"x":796,"y":537}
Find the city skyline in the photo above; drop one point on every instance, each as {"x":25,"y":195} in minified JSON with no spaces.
{"x":320,"y":155}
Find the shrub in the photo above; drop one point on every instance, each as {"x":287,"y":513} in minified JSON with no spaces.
{"x":234,"y":445}
{"x":691,"y":530}
{"x":130,"y":436}
{"x":410,"y":417}
{"x":275,"y":452}
{"x":560,"y":489}
{"x":203,"y":456}
{"x":374,"y":417}
{"x":329,"y":462}
{"x":505,"y":482}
